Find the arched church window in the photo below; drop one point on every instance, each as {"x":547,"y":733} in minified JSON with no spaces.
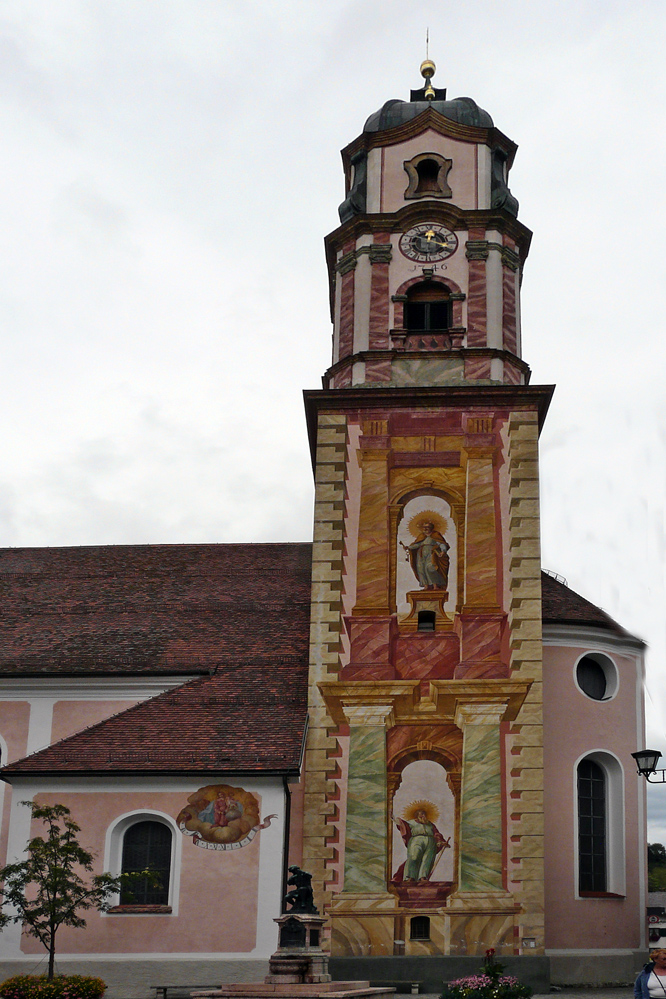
{"x":419,"y":928}
{"x":428,"y":307}
{"x":591,"y":827}
{"x":147,"y":845}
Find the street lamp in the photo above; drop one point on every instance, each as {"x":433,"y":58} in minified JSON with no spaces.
{"x":646,"y":763}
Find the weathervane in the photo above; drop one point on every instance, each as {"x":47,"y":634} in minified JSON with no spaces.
{"x":428,"y":71}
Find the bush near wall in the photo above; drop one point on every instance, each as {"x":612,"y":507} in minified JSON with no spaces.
{"x":489,"y":983}
{"x":62,"y":987}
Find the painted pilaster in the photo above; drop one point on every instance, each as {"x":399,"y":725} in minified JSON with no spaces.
{"x":365,"y":837}
{"x":525,"y":742}
{"x":380,"y":257}
{"x":510,"y":264}
{"x":373,"y":545}
{"x":480,"y":541}
{"x":345,"y":276}
{"x":319,"y":788}
{"x":477,"y":254}
{"x":481,"y":802}
{"x":494,"y":291}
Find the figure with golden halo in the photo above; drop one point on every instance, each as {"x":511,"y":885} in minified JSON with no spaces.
{"x":428,"y":556}
{"x":423,"y":840}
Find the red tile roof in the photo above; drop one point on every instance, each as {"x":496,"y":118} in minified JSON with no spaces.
{"x":238,"y":612}
{"x":242,"y":719}
{"x":561,"y":605}
{"x":151,"y":608}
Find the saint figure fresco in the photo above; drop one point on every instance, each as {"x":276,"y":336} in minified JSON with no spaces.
{"x":428,"y":553}
{"x":423,"y":840}
{"x":221,"y":817}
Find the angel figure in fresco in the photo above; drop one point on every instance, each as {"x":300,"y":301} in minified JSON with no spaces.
{"x":428,"y":556}
{"x":425,"y":843}
{"x":221,"y":817}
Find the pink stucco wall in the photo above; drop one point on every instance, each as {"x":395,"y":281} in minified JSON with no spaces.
{"x":462,"y":177}
{"x":206,"y":921}
{"x":14,"y":719}
{"x":574,"y":726}
{"x":73,"y":716}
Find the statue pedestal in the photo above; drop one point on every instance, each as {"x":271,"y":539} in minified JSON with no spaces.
{"x":299,"y":957}
{"x":298,"y":969}
{"x":426,"y":600}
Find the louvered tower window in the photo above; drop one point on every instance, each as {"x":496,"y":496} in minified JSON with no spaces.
{"x":147,"y":845}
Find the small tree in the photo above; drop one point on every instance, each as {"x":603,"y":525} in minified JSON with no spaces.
{"x":54,"y":885}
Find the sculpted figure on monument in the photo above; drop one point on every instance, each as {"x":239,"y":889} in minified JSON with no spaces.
{"x":301,"y":898}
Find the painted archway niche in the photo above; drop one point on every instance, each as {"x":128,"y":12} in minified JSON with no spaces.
{"x":426,"y":574}
{"x":424,"y":807}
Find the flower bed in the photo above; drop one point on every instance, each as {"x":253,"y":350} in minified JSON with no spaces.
{"x":489,"y":983}
{"x":484,"y":987}
{"x":62,"y":987}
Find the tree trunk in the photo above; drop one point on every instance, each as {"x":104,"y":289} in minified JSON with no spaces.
{"x":51,"y":957}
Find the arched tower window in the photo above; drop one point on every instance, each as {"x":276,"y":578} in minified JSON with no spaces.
{"x":592,"y":824}
{"x":147,"y":845}
{"x":428,"y":308}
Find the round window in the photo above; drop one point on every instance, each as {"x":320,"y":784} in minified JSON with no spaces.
{"x":596,"y":676}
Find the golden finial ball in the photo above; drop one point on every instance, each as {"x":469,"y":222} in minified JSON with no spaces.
{"x":427,"y":69}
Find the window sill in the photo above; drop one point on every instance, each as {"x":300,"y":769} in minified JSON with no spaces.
{"x":139,"y":910}
{"x":600,"y":894}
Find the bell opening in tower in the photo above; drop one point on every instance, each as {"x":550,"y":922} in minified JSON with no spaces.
{"x":428,"y":308}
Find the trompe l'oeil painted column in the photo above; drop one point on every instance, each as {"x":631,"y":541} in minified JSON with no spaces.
{"x":365,"y":836}
{"x":481,"y":798}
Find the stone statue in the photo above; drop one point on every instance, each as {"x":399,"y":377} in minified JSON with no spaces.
{"x":301,"y":898}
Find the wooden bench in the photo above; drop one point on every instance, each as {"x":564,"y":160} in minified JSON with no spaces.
{"x":180,"y":991}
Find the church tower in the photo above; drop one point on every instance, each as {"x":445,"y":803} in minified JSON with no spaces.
{"x":423,"y":807}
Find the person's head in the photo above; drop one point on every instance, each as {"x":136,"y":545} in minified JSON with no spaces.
{"x":658,"y":955}
{"x":221,"y":796}
{"x":427,"y":527}
{"x":421,"y":815}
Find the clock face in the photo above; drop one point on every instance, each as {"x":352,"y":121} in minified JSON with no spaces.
{"x":428,"y":241}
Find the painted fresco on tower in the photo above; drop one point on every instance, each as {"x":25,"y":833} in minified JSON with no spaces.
{"x":426,"y":576}
{"x":423,"y":815}
{"x":221,"y":817}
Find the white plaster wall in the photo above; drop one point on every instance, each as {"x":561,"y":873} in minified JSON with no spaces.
{"x":362,"y":284}
{"x":336,"y":314}
{"x":271,"y":846}
{"x":374,"y":175}
{"x":484,"y":174}
{"x":494,"y":295}
{"x":462,"y":175}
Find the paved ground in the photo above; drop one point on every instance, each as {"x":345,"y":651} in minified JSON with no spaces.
{"x":591,"y":993}
{"x":568,"y":993}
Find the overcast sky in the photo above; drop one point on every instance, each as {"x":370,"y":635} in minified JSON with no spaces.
{"x":168,"y":171}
